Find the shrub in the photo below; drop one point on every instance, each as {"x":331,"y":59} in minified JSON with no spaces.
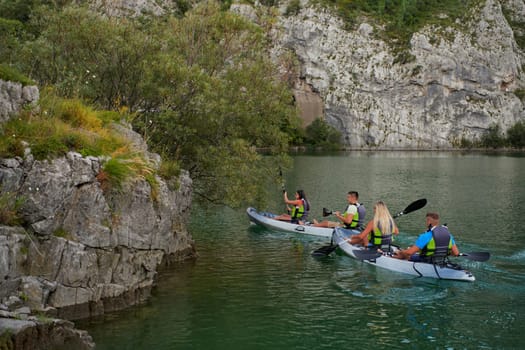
{"x":520,"y":93}
{"x":293,"y":8}
{"x":8,"y":73}
{"x":62,"y":125}
{"x":62,"y":233}
{"x":321,"y":134}
{"x":78,"y":115}
{"x":516,"y":135}
{"x":493,"y":137}
{"x":124,"y":167}
{"x":9,"y":206}
{"x":169,"y":169}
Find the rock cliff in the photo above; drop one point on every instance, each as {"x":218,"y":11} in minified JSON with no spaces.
{"x":82,"y":250}
{"x":14,"y":96}
{"x":459,"y":83}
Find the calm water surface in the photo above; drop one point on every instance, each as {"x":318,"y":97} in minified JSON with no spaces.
{"x":252,"y":288}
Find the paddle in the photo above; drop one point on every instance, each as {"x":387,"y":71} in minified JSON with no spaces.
{"x":282,"y":180}
{"x":325,"y":250}
{"x":420,"y":203}
{"x":476,"y":256}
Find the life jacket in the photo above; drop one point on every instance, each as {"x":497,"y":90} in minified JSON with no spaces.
{"x":440,"y":244}
{"x":361,"y":218}
{"x":299,"y":211}
{"x":377,"y":239}
{"x":357,"y":219}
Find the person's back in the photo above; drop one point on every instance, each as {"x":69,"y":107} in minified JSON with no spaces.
{"x":439,"y":246}
{"x":378,"y":232}
{"x":434,"y":245}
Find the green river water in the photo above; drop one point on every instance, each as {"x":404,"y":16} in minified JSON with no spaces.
{"x":252,"y":288}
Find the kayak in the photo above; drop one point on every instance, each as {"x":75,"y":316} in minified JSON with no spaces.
{"x":266,"y":219}
{"x":449,"y":271}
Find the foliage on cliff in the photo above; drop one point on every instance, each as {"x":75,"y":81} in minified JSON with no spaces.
{"x":202,"y":88}
{"x":401,"y":18}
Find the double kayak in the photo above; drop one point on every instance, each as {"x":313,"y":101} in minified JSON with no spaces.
{"x":267,"y":220}
{"x":448,"y":271}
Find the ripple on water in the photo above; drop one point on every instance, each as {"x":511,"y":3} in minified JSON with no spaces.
{"x":388,"y":287}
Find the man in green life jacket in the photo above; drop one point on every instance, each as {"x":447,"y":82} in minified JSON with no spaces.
{"x":436,"y":241}
{"x":352,"y":218}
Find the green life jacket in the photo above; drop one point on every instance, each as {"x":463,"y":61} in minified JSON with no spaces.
{"x":355,"y":219}
{"x":298,"y":211}
{"x":440,"y":244}
{"x":376,"y":237}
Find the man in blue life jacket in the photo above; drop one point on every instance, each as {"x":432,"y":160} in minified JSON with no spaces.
{"x":436,"y":242}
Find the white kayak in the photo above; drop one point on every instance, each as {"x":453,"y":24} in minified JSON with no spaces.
{"x":420,"y":269}
{"x":266,"y":219}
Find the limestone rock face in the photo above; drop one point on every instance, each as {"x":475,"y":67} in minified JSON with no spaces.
{"x":83,"y":245}
{"x":84,"y":249}
{"x":14,"y":96}
{"x":458,"y":84}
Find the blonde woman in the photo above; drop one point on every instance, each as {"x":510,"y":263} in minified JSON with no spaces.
{"x":379,"y":230}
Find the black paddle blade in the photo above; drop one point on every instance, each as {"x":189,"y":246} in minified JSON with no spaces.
{"x":326,"y":212}
{"x":476,"y":256}
{"x":325,"y":250}
{"x":420,"y":203}
{"x":366,"y":254}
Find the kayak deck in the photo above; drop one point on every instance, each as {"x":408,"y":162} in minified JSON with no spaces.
{"x":267,"y":220}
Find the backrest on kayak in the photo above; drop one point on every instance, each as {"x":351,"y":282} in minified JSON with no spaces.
{"x":361,"y":210}
{"x":438,"y":249}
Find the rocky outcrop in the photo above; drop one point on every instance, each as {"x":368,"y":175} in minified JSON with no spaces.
{"x":133,"y":8}
{"x":14,"y":96}
{"x":459,"y":83}
{"x":83,"y":248}
{"x":45,"y":334}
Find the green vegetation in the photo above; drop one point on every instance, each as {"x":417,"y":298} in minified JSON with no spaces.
{"x":517,"y":25}
{"x":520,"y":93}
{"x":9,"y":208}
{"x":293,"y":8}
{"x":62,"y":233}
{"x":11,"y":74}
{"x":321,"y":134}
{"x":58,"y":126}
{"x":401,"y":18}
{"x":6,"y":340}
{"x":516,"y":135}
{"x":494,"y":138}
{"x":124,"y":167}
{"x":200,"y":87}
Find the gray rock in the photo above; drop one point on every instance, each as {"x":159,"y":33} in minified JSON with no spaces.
{"x":51,"y":334}
{"x":459,"y":84}
{"x":14,"y":96}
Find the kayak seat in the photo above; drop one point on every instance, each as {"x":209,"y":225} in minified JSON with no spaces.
{"x":440,"y":256}
{"x":385,"y":246}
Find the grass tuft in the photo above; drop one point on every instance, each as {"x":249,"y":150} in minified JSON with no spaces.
{"x":8,"y":73}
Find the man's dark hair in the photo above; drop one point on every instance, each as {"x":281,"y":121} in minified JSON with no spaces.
{"x":354,"y":193}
